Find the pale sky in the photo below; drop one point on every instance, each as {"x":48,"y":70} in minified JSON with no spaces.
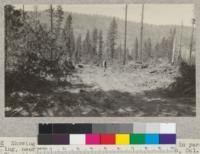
{"x":159,"y":14}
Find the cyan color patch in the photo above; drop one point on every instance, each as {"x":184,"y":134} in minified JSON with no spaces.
{"x":152,"y":138}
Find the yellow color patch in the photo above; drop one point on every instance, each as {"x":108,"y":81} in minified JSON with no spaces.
{"x":122,"y":139}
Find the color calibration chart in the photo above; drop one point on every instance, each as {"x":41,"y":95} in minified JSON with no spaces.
{"x":107,"y":134}
{"x":28,"y":145}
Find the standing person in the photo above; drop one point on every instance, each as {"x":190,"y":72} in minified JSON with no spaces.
{"x":104,"y":65}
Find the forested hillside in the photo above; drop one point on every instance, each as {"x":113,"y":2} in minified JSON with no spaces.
{"x":84,"y":22}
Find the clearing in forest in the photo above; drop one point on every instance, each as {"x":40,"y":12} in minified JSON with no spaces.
{"x":119,"y":91}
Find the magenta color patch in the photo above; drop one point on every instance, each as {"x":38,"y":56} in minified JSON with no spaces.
{"x":92,"y":139}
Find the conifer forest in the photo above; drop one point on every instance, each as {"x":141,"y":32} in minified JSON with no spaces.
{"x":63,"y":63}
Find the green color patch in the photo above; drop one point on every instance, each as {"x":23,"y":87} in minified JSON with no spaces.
{"x":137,"y":138}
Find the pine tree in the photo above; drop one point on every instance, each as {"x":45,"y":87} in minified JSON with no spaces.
{"x":141,"y":34}
{"x":162,"y":48}
{"x":59,"y":18}
{"x":94,"y":44}
{"x":36,"y":14}
{"x":125,"y":33}
{"x":120,"y":53}
{"x":78,"y":49}
{"x":136,"y":45}
{"x":87,"y":47}
{"x":13,"y":34}
{"x":148,"y":48}
{"x":157,"y":49}
{"x":129,"y":55}
{"x":51,"y":14}
{"x":100,"y":46}
{"x":69,"y":37}
{"x":112,"y":38}
{"x":23,"y":13}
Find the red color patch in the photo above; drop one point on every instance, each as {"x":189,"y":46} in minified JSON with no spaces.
{"x":107,"y":138}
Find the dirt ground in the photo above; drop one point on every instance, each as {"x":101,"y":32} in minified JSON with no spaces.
{"x":119,"y":91}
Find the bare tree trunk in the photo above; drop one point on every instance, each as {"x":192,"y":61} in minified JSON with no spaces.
{"x":36,"y":16}
{"x":51,"y":21}
{"x":36,"y":13}
{"x":173,"y":47}
{"x":23,"y":13}
{"x":125,"y":33}
{"x":51,"y":17}
{"x":6,"y":41}
{"x":141,"y":35}
{"x":191,"y":42}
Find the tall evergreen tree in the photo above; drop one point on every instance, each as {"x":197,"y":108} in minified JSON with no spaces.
{"x":69,"y":37}
{"x":51,"y":12}
{"x":147,"y":48}
{"x":87,"y":47}
{"x":120,"y":53}
{"x":94,"y":43}
{"x":125,"y":33}
{"x":141,"y":33}
{"x":100,"y":46}
{"x":23,"y":13}
{"x":157,"y":49}
{"x":136,"y":50}
{"x":36,"y":13}
{"x":112,"y":38}
{"x":78,"y":49}
{"x":165,"y":47}
{"x":59,"y":18}
{"x":51,"y":15}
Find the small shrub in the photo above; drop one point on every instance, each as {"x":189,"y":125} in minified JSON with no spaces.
{"x":17,"y":81}
{"x":185,"y":84}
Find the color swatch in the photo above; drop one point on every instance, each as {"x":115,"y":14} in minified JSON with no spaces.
{"x":60,"y":139}
{"x":108,"y":139}
{"x":122,"y":139}
{"x":77,"y":139}
{"x":137,"y":138}
{"x":93,"y":139}
{"x":152,"y":139}
{"x":107,"y":134}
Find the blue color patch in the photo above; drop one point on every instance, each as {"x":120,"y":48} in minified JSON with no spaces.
{"x":152,"y":138}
